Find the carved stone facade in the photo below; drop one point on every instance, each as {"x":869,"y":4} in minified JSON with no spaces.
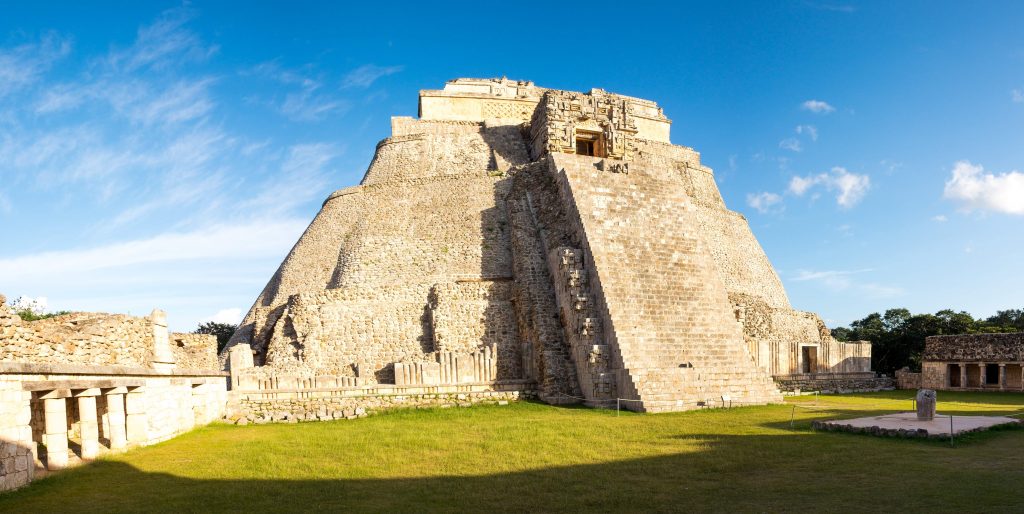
{"x":597,"y":124}
{"x":980,"y":362}
{"x":522,"y":238}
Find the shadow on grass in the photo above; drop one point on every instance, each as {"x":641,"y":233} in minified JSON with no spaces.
{"x":784,"y":472}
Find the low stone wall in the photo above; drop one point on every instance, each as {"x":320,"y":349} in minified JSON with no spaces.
{"x":834,"y":382}
{"x":906,"y":379}
{"x":44,"y":407}
{"x":907,"y":433}
{"x":321,"y":404}
{"x":295,"y":410}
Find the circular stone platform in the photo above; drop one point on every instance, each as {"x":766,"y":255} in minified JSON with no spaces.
{"x":906,"y":424}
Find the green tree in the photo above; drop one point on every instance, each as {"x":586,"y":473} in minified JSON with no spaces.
{"x":898,"y":336}
{"x":223,"y":331}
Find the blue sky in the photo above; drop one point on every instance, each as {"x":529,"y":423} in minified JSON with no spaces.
{"x":170,"y":155}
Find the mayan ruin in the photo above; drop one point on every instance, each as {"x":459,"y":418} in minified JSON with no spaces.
{"x":553,"y":243}
{"x":709,"y":257}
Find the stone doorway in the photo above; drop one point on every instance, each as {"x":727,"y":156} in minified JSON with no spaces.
{"x":589,"y":143}
{"x":953,"y":375}
{"x":809,"y":361}
{"x":992,"y":375}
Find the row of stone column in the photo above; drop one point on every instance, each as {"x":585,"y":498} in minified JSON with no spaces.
{"x":983,"y":375}
{"x":126,"y":417}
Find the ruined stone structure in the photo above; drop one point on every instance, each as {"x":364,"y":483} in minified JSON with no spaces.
{"x":77,"y":385}
{"x":521,"y":239}
{"x":989,"y":362}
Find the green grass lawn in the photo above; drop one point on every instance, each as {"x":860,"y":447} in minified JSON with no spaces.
{"x":531,"y":458}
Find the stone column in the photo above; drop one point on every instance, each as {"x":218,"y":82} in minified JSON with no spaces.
{"x":135,"y":417}
{"x":163,"y":357}
{"x":200,"y":404}
{"x":981,"y":374}
{"x":239,"y":359}
{"x":55,"y":436}
{"x":963,"y":375}
{"x":88,"y":423}
{"x":115,"y":415}
{"x":1002,"y":377}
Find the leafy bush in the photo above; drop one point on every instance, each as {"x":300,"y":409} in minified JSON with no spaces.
{"x":29,"y":315}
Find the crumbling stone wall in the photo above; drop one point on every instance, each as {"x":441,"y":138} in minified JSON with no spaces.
{"x":539,"y":226}
{"x":906,"y":379}
{"x":468,"y":315}
{"x":77,"y":338}
{"x":402,"y":231}
{"x":194,"y":351}
{"x":17,"y":339}
{"x":975,"y":348}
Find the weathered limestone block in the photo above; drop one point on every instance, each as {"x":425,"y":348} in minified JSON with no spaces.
{"x":136,"y":424}
{"x":163,"y":357}
{"x":926,"y":400}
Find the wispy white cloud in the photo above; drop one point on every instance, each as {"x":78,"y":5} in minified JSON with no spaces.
{"x":974,"y":188}
{"x":304,"y":172}
{"x":890,"y":165}
{"x":817,"y":106}
{"x":364,"y":76}
{"x":162,"y":44}
{"x":809,"y":130}
{"x":25,"y":64}
{"x":136,"y":141}
{"x":1017,"y":95}
{"x":843,"y":8}
{"x":850,"y":188}
{"x":307,"y":102}
{"x":792,"y":144}
{"x":940,"y":218}
{"x":247,"y":240}
{"x":184,"y":100}
{"x":764,"y":202}
{"x":846,"y":281}
{"x":308,"y":106}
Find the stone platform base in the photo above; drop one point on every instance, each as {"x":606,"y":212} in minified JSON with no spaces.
{"x":294,"y":410}
{"x":906,"y":424}
{"x":834,"y":383}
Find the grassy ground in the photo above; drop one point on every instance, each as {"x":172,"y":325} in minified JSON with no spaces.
{"x":535,"y":458}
